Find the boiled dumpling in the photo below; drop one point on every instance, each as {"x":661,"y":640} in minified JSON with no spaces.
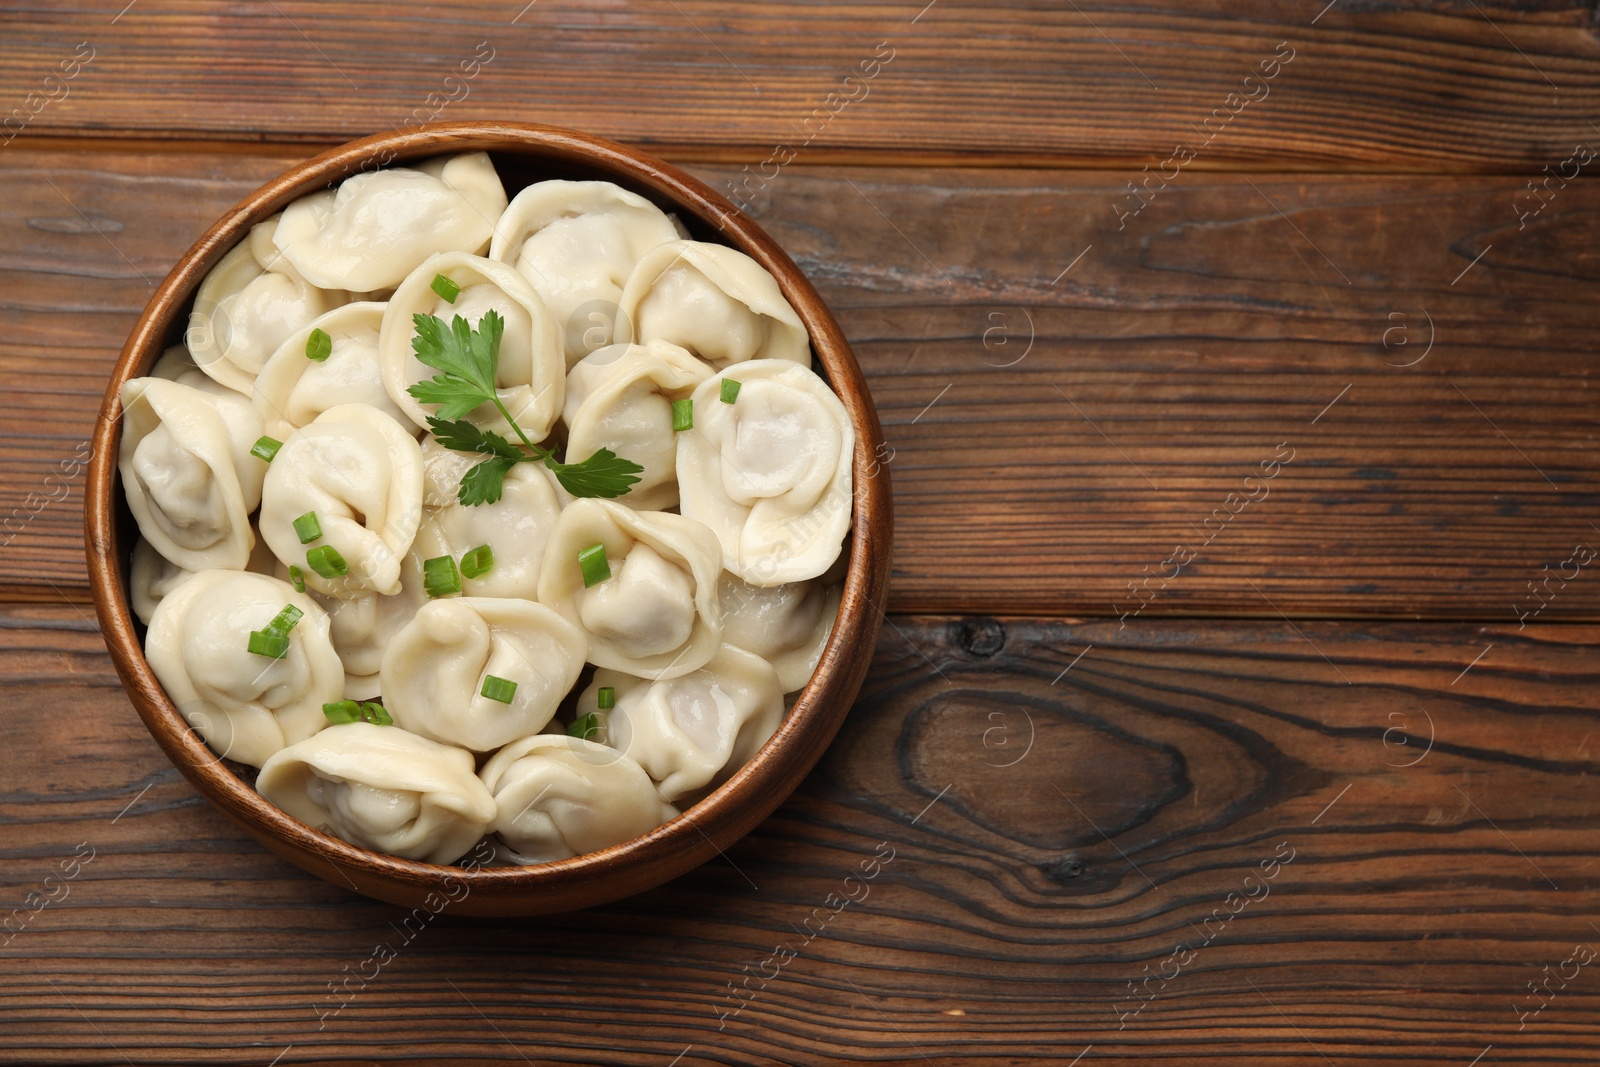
{"x":381,"y":788}
{"x":362,"y":627}
{"x":657,"y":615}
{"x":187,"y":471}
{"x":435,"y":669}
{"x":770,"y":473}
{"x":577,"y":243}
{"x":557,"y":797}
{"x":696,"y":730}
{"x":786,"y":625}
{"x":621,"y":398}
{"x":151,"y":576}
{"x":377,"y":227}
{"x":358,"y":473}
{"x":531,"y":373}
{"x":292,"y":389}
{"x":245,"y":308}
{"x":515,"y":527}
{"x":713,"y":300}
{"x":246,"y":706}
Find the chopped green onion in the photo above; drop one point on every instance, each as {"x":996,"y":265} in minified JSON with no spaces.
{"x":326,"y":561}
{"x":284,"y":621}
{"x":307,"y":528}
{"x":447,"y":289}
{"x":606,"y":698}
{"x":350,"y":711}
{"x":596,"y":568}
{"x":266,"y":447}
{"x":730,"y":390}
{"x":682,"y":415}
{"x":297,"y":578}
{"x":585,"y":726}
{"x":342,"y":712}
{"x":319,"y":346}
{"x":439,"y":576}
{"x":500,"y":689}
{"x":478,"y":562}
{"x":267,"y":643}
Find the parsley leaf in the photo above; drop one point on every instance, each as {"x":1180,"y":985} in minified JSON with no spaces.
{"x":603,"y":474}
{"x":467,"y":360}
{"x":463,"y":436}
{"x":460,"y":351}
{"x":483,"y":483}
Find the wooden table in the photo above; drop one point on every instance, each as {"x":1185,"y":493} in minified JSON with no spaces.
{"x":1239,"y":698}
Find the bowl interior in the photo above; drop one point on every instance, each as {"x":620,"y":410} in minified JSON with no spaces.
{"x":523,"y":154}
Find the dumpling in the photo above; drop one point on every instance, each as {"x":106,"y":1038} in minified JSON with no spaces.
{"x":187,"y":471}
{"x":292,"y":389}
{"x":245,"y":705}
{"x":362,"y":627}
{"x":531,"y":373}
{"x":177,"y":365}
{"x":358,"y":474}
{"x":577,"y":243}
{"x":377,"y":227}
{"x":515,"y":527}
{"x":245,"y":308}
{"x":621,"y":398}
{"x":381,"y":788}
{"x":657,"y":613}
{"x":557,"y":797}
{"x":696,"y":730}
{"x":435,"y":670}
{"x":713,"y":300}
{"x":786,"y":625}
{"x":151,"y":577}
{"x":770,"y":473}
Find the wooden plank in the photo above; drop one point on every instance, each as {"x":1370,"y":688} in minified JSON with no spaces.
{"x":1430,"y":85}
{"x":1370,"y":853}
{"x":1075,"y":408}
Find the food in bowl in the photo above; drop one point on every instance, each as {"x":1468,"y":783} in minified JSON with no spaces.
{"x":468,"y":518}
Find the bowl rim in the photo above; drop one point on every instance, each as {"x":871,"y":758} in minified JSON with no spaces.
{"x":669,"y":850}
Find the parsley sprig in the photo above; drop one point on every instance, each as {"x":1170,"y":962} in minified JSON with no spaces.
{"x":467,"y":360}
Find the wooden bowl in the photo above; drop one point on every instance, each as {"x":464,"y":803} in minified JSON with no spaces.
{"x":523,"y":153}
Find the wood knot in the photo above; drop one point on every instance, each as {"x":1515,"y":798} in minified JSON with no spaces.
{"x":980,"y":637}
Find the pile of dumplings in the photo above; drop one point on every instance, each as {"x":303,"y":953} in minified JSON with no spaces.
{"x":549,"y":704}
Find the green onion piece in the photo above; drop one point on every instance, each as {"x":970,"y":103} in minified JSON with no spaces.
{"x":342,"y":712}
{"x":730,"y":390}
{"x":326,"y":561}
{"x":682,"y":415}
{"x":319,"y":346}
{"x":439,"y":576}
{"x":267,"y":643}
{"x":478,"y":562}
{"x":596,"y":568}
{"x":606,"y":698}
{"x":585,"y":726}
{"x":447,"y":289}
{"x":266,"y":447}
{"x":501,"y":689}
{"x":284,"y":621}
{"x":297,"y":578}
{"x":350,"y":711}
{"x":307,"y":528}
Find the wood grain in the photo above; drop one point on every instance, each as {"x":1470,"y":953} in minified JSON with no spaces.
{"x":1053,"y":836}
{"x":1431,"y":85}
{"x":1060,"y":424}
